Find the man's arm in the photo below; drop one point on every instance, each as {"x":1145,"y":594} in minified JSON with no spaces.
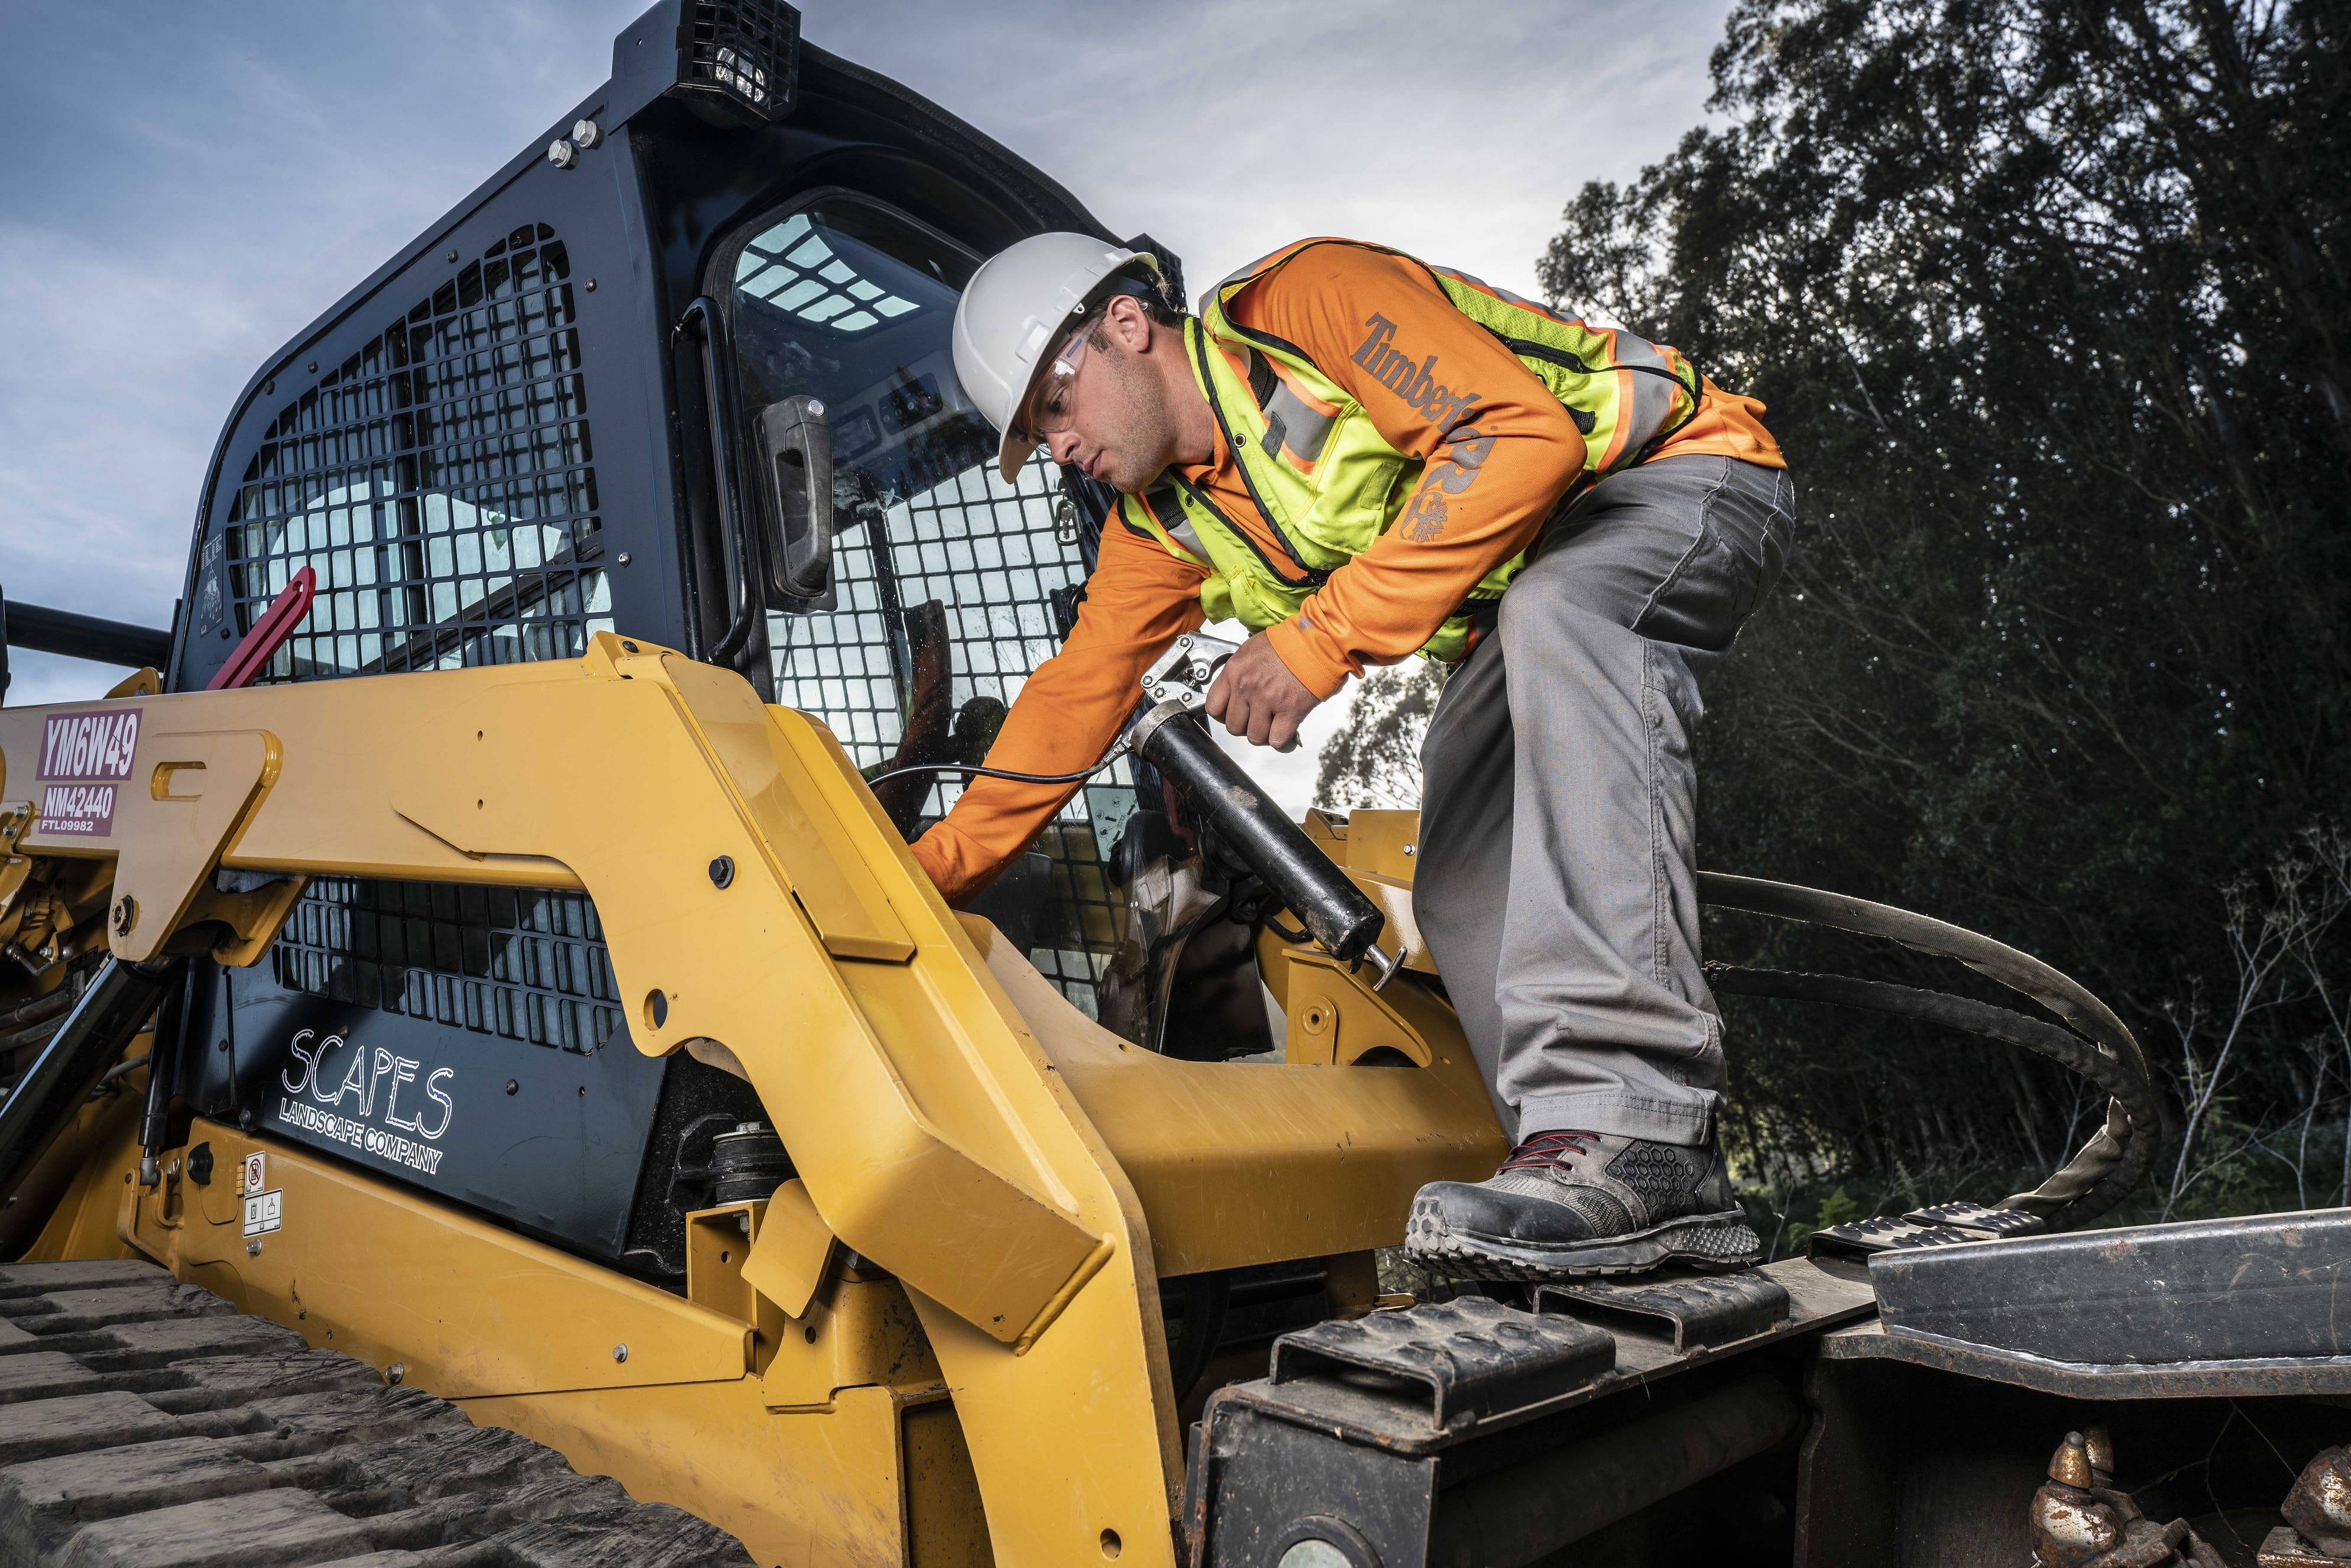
{"x":1137,"y":602}
{"x":1500,"y":451}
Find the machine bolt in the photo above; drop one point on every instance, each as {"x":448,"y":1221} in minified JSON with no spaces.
{"x":2319,"y":1506}
{"x":620,"y":1353}
{"x":452,"y":255}
{"x":722,"y":871}
{"x":624,"y":558}
{"x":561,"y":154}
{"x":313,"y":365}
{"x":591,"y":285}
{"x":627,"y":646}
{"x":397,"y":1372}
{"x":1411,"y":849}
{"x":126,"y":915}
{"x":252,"y":1249}
{"x":816,"y":409}
{"x":513,"y":1087}
{"x":586,"y":133}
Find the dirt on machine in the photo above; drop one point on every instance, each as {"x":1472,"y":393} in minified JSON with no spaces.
{"x":486,"y":1084}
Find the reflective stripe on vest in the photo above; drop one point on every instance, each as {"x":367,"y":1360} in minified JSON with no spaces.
{"x":1326,"y":483}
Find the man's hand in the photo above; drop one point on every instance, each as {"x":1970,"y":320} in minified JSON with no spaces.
{"x":1255,"y":695}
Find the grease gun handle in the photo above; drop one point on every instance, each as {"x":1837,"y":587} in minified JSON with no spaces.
{"x":1337,"y":914}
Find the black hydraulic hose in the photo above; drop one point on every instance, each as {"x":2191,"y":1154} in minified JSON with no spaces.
{"x":2061,"y":1046}
{"x":38,"y":1034}
{"x":2064,"y":1199}
{"x":40,"y":1009}
{"x":976,"y":772}
{"x":112,"y":1011}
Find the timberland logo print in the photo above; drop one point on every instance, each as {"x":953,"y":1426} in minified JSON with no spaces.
{"x":84,"y":756}
{"x":1453,"y":470}
{"x":1416,"y":384}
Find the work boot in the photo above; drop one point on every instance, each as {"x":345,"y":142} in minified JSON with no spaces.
{"x":1568,"y":1204}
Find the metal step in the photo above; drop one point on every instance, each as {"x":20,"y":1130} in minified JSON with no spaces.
{"x":1480,"y":1432}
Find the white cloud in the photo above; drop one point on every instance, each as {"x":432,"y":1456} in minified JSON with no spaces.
{"x":248,"y":164}
{"x":1230,"y":128}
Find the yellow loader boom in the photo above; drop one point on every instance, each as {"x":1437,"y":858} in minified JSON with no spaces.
{"x":972,"y":1154}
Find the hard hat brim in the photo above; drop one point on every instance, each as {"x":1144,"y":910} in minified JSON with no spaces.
{"x":1011,"y":454}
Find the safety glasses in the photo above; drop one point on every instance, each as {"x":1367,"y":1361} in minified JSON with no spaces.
{"x":1049,"y":401}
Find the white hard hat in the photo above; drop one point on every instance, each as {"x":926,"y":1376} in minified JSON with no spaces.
{"x":1010,"y":313}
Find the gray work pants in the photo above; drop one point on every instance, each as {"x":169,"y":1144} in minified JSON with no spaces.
{"x":1559,"y":803}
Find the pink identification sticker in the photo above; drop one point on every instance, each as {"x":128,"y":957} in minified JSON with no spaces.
{"x":84,"y":756}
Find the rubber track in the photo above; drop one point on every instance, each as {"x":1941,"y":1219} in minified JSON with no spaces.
{"x":144,"y":1422}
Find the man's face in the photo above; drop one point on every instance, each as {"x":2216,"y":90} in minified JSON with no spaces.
{"x":1111,"y":417}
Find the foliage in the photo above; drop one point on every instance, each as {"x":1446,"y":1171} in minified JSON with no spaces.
{"x":2282,"y":945}
{"x":1375,"y":761}
{"x":2048,"y":300}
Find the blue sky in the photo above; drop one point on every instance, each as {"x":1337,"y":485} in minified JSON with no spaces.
{"x":188,"y":186}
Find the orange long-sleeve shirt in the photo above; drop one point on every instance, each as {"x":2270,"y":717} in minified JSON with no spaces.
{"x":1494,"y":468}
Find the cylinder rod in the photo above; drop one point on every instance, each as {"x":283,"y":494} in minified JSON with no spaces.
{"x":110,"y":1014}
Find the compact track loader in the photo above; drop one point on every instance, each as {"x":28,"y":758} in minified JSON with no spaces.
{"x":486,"y":1084}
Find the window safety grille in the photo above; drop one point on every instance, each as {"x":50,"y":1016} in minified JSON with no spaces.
{"x":748,"y":50}
{"x":527,"y":965}
{"x":793,"y":269}
{"x":439,"y":482}
{"x":987,"y":554}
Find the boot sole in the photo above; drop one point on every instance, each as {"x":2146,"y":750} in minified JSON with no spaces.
{"x":1716,"y":1243}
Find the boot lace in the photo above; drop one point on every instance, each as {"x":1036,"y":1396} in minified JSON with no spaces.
{"x":1550,"y":1151}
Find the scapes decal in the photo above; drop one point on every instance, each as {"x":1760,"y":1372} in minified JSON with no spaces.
{"x":373,"y":1082}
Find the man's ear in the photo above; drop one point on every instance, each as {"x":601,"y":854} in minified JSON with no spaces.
{"x":1128,"y":323}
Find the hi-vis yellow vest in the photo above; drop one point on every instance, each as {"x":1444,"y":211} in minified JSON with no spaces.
{"x":1327,"y":484}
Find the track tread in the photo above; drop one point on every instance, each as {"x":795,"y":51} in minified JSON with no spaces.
{"x":145,"y":1421}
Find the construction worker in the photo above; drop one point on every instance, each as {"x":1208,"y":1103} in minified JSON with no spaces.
{"x":1361,"y":456}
